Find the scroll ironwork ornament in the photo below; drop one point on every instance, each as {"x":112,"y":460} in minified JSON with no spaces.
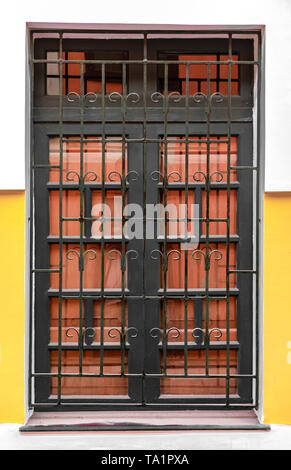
{"x":157,"y":175}
{"x":158,"y":333}
{"x":165,"y":257}
{"x":115,"y":96}
{"x":91,"y":97}
{"x":206,"y":256}
{"x":130,"y":254}
{"x":176,"y":96}
{"x":88,"y":176}
{"x":216,"y":97}
{"x":130,"y":176}
{"x":198,"y":175}
{"x":81,"y":257}
{"x":74,"y":97}
{"x":130,"y":332}
{"x":158,"y":97}
{"x":81,"y":334}
{"x":206,"y":336}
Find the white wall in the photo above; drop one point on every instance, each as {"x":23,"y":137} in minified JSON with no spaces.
{"x":275,"y":14}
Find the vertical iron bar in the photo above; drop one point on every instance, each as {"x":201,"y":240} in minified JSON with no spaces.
{"x":229,"y":71}
{"x":123,"y":189}
{"x":102,"y":225}
{"x":218,"y":57}
{"x":144,"y":169}
{"x":186,"y":222}
{"x":87,"y":213}
{"x":81,"y":189}
{"x":165,"y":189}
{"x":207,"y":189}
{"x":60,"y":220}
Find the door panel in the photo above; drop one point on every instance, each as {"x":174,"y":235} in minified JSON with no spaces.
{"x":142,"y":338}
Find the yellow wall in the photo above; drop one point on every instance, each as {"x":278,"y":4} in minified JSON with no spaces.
{"x":277,"y":309}
{"x":12,"y":216}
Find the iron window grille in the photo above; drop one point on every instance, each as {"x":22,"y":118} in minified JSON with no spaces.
{"x":146,"y":116}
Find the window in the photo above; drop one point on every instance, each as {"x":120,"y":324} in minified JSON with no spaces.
{"x":144,"y":319}
{"x":92,"y":72}
{"x":218,"y":73}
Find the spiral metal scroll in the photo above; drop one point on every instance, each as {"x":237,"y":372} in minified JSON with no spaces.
{"x":81,"y":334}
{"x":158,"y":333}
{"x":130,"y":254}
{"x":206,"y":256}
{"x":89,"y":176}
{"x":165,"y":257}
{"x":132,"y":97}
{"x":92,"y":97}
{"x":199,"y":175}
{"x":130,"y":176}
{"x":157,"y":175}
{"x":130,"y":332}
{"x":206,"y":336}
{"x":80,"y":257}
{"x":158,"y":97}
{"x":216,"y":97}
{"x":74,"y":97}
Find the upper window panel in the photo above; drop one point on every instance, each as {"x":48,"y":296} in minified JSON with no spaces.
{"x":92,"y":73}
{"x":198,"y":74}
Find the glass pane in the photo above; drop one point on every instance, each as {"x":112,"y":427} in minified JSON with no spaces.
{"x":196,"y":365}
{"x":92,"y":267}
{"x":198,"y":74}
{"x":92,"y":72}
{"x":89,"y":386}
{"x":92,"y":159}
{"x":197,"y":155}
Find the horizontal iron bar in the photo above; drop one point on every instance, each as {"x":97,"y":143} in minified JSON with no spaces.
{"x":122,"y":403}
{"x":219,"y":238}
{"x":216,"y":404}
{"x":166,"y":219}
{"x":147,"y":61}
{"x":202,"y":238}
{"x":243,"y":168}
{"x":232,"y":185}
{"x":215,"y":345}
{"x":65,"y":239}
{"x":244,"y":271}
{"x":145,"y":297}
{"x":170,"y":186}
{"x":107,"y":185}
{"x":161,"y":294}
{"x":166,"y":376}
{"x":150,"y":140}
{"x":45,"y":270}
{"x":39,"y":165}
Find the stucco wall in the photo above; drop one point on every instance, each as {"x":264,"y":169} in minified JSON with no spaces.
{"x":12,"y":204}
{"x":277,"y":309}
{"x":276,"y":15}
